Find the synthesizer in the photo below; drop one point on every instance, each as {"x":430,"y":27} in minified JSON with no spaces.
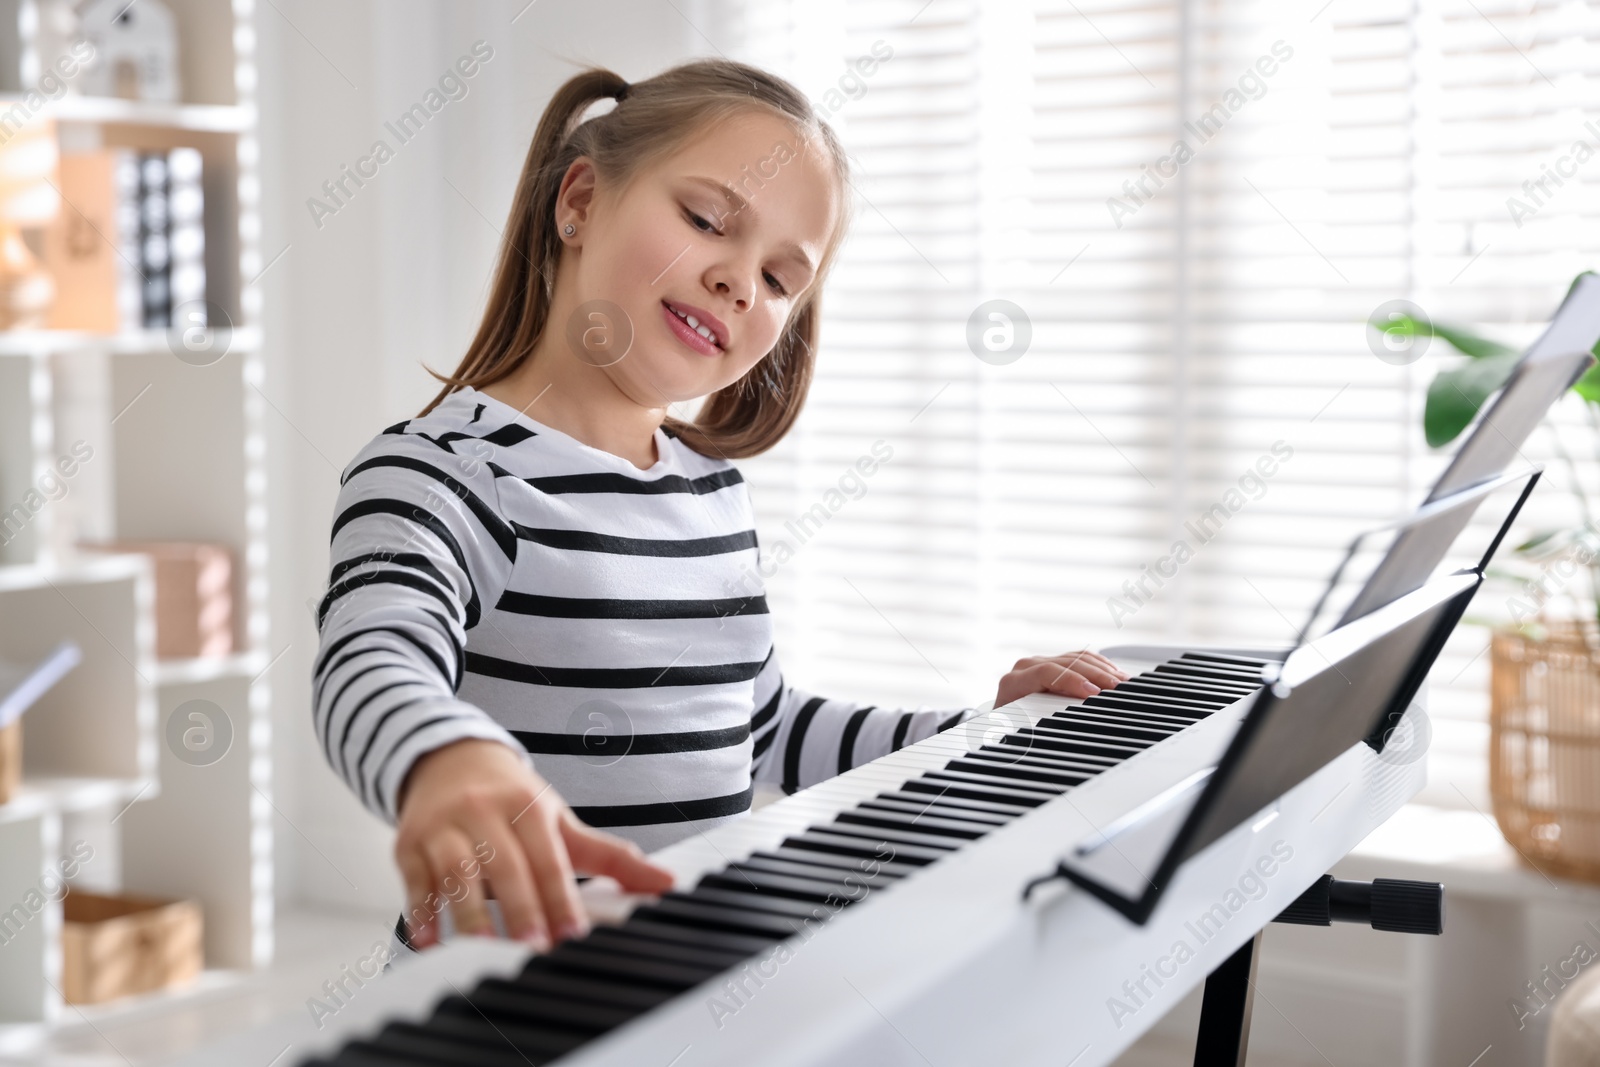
{"x":879,"y":918}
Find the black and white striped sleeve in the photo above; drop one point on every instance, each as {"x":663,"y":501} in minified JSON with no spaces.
{"x":419,"y":548}
{"x":801,"y":739}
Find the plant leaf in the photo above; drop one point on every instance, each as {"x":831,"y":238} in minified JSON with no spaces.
{"x":1464,"y":340}
{"x":1454,"y":396}
{"x":1470,"y":343}
{"x":1588,"y":386}
{"x":1538,"y":539}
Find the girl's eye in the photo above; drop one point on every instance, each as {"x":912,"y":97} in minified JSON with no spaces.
{"x":696,"y":220}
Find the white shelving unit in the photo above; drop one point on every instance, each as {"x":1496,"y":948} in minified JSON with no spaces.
{"x":178,"y":454}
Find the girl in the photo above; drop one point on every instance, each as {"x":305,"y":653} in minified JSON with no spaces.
{"x":529,"y":632}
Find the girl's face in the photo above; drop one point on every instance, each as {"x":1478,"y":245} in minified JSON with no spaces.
{"x":729,"y":230}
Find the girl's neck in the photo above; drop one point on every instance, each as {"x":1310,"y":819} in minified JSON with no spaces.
{"x":582,"y":402}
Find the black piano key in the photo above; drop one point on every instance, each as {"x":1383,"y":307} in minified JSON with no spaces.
{"x":963,"y":786}
{"x":455,"y":1020}
{"x":1220,"y":657}
{"x":1060,"y":751}
{"x":560,"y":983}
{"x":749,"y":899}
{"x":455,"y":1041}
{"x":943,"y":811}
{"x":359,"y":1055}
{"x":798,"y":865}
{"x":1113,"y":730}
{"x":1107,"y":751}
{"x":580,"y":957}
{"x":678,"y":934}
{"x":1060,"y":747}
{"x":986,"y":784}
{"x":817,"y":840}
{"x":733,"y":920}
{"x":1159,"y":703}
{"x":808,"y":889}
{"x":364,"y":1053}
{"x":615,"y":939}
{"x":1017,"y":772}
{"x":820,"y":864}
{"x":902,"y":820}
{"x":504,"y":1000}
{"x":994,"y":807}
{"x":1199,"y":694}
{"x":1142,"y":717}
{"x":1235,"y":679}
{"x":1113,"y":723}
{"x":1032,"y":752}
{"x":891,"y":837}
{"x":1157,"y":706}
{"x":1135,"y":701}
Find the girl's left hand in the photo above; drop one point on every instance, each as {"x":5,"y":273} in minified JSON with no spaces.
{"x":1071,"y":674}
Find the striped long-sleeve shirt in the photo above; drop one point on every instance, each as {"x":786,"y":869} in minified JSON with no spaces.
{"x":492,"y":577}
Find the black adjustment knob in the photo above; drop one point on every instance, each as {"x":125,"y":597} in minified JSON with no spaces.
{"x":1311,"y":907}
{"x":1407,"y":907}
{"x":1384,"y":903}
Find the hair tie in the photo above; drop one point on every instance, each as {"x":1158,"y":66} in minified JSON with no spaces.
{"x":622,"y":93}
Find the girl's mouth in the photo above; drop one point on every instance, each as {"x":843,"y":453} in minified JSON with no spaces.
{"x":690,"y":336}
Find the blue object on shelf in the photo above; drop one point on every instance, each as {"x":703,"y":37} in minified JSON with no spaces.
{"x":21,"y":685}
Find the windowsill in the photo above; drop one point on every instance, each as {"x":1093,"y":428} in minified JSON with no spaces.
{"x":1464,"y":850}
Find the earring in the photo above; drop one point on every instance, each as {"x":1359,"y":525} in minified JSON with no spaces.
{"x":568,"y":230}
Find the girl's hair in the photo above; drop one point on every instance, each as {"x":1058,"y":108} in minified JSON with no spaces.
{"x":652,"y":119}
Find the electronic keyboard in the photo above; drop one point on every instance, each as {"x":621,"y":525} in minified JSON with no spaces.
{"x":878,"y":917}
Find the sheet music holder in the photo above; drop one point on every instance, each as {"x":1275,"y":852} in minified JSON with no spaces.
{"x":1546,"y":370}
{"x":1355,"y":682}
{"x":1329,"y":694}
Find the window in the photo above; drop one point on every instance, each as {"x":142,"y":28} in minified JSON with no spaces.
{"x":1198,"y":371}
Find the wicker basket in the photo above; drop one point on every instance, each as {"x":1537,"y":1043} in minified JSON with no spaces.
{"x":1544,"y":748}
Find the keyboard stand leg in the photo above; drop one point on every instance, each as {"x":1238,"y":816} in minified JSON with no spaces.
{"x":1225,"y":1009}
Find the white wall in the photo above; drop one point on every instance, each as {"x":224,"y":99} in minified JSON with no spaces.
{"x":393,"y":280}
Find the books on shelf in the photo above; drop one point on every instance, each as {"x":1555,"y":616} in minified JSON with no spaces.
{"x":131,"y":247}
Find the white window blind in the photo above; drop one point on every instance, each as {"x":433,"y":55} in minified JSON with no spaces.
{"x":1199,"y":371}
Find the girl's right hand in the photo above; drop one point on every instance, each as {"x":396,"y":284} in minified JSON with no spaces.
{"x":471,"y":793}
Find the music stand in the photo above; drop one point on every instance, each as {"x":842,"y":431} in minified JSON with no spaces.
{"x":1348,"y":686}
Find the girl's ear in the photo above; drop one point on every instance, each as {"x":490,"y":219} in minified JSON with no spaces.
{"x":576,"y":197}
